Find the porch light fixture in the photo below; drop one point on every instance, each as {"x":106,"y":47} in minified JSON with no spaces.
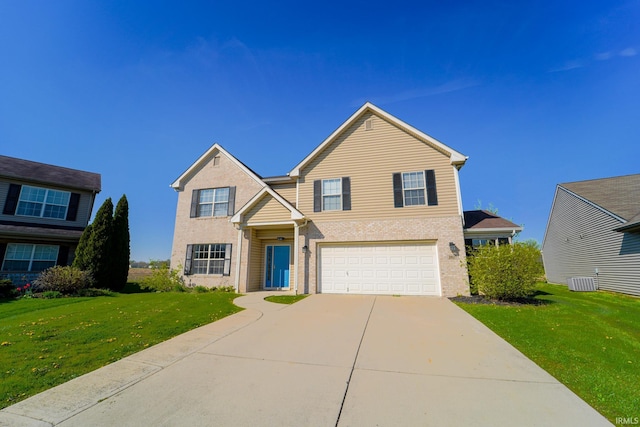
{"x":305,"y":248}
{"x":454,"y":248}
{"x":280,"y":239}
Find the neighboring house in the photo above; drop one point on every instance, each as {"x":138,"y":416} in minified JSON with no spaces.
{"x":375,"y":208}
{"x":43,"y":212}
{"x":594,"y":231}
{"x":482,"y":227}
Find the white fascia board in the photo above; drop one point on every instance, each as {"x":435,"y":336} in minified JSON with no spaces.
{"x":471,"y":231}
{"x":178,"y":184}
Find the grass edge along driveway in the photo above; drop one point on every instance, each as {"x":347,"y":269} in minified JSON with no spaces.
{"x":46,"y":342}
{"x":589,"y":341}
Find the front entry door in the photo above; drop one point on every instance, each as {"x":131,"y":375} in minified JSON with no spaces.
{"x":277,"y":266}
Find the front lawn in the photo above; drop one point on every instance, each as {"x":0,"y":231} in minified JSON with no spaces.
{"x":46,"y":342}
{"x":589,"y":341}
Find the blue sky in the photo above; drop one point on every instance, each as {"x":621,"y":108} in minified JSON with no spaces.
{"x":535,"y":93}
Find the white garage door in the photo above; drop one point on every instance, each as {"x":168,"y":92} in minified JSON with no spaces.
{"x":390,"y":269}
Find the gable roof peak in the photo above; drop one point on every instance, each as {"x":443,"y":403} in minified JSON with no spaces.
{"x":178,"y":184}
{"x":456,"y":158}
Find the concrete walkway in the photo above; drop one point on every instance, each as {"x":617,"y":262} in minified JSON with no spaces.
{"x":328,"y":360}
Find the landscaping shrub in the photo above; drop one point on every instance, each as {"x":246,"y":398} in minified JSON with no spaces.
{"x":505,"y":272}
{"x":51,"y":295}
{"x":7,"y":290}
{"x":66,"y":280}
{"x":163,"y":279}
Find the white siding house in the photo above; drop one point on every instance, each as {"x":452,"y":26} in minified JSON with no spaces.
{"x":594,"y":231}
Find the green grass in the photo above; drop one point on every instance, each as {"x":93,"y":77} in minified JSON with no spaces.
{"x":589,"y":341}
{"x":285,"y":299}
{"x":44,"y":343}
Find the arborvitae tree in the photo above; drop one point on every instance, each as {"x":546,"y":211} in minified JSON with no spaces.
{"x":81,"y":259}
{"x":120,"y":250}
{"x":99,"y":246}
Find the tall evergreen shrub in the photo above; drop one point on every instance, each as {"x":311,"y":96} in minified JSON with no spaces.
{"x":99,"y":245}
{"x":120,"y":250}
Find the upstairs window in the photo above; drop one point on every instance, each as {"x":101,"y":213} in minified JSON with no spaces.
{"x":332,"y":194}
{"x":213,"y":202}
{"x":414,"y":188}
{"x":43,"y":202}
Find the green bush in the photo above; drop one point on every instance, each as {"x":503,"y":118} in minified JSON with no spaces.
{"x":505,"y":272}
{"x":94,"y":292}
{"x":7,"y":289}
{"x":199,"y":289}
{"x":164,"y":280}
{"x":66,"y":280}
{"x":51,"y":295}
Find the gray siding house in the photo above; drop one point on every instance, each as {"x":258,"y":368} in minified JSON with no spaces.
{"x":594,"y":231}
{"x":43,"y":211}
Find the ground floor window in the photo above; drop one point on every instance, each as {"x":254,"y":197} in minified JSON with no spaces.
{"x":208,"y":258}
{"x":29,"y":257}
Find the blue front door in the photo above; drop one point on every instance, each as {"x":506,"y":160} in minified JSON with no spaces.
{"x":277,"y":266}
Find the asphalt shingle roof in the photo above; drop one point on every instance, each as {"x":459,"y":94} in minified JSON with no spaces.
{"x":27,"y":170}
{"x":619,"y":195}
{"x":481,"y":219}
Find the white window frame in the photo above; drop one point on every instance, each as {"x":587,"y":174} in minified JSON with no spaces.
{"x":22,"y":201}
{"x":210,"y":265}
{"x":11,"y":247}
{"x":212,"y":202}
{"x":336,"y":193}
{"x":423,"y":188}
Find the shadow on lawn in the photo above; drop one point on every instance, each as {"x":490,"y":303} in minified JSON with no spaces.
{"x":481,"y":299}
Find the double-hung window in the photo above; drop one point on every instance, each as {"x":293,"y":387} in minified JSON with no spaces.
{"x":332,"y":194}
{"x":43,"y":202}
{"x":208,"y":258}
{"x":28,"y":257}
{"x":213,"y":202}
{"x":414,"y":188}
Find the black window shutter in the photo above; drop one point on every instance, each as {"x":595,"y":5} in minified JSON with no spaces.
{"x":232,"y":201}
{"x":11,"y":202}
{"x":63,"y":255}
{"x":227,"y":260}
{"x":187,"y":260}
{"x":398,"y":200}
{"x":317,"y":195}
{"x":432,"y":194}
{"x":72,"y":211}
{"x":346,"y":193}
{"x":195,"y":196}
{"x":3,"y":249}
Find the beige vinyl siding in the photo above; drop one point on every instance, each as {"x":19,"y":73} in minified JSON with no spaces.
{"x":256,"y":261}
{"x":369,"y":158}
{"x":287,"y":191}
{"x":580,"y":238}
{"x":84,"y":206}
{"x":267,"y":209}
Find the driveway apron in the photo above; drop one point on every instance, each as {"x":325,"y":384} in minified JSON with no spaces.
{"x":328,"y":360}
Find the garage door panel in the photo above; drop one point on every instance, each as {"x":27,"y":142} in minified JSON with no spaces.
{"x":379,"y":269}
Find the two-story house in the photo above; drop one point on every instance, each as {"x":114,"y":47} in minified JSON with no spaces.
{"x":375,"y":208}
{"x":43,"y":211}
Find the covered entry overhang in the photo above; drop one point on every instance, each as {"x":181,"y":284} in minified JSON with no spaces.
{"x":268,"y":241}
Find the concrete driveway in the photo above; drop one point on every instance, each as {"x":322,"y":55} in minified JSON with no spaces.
{"x":328,"y":360}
